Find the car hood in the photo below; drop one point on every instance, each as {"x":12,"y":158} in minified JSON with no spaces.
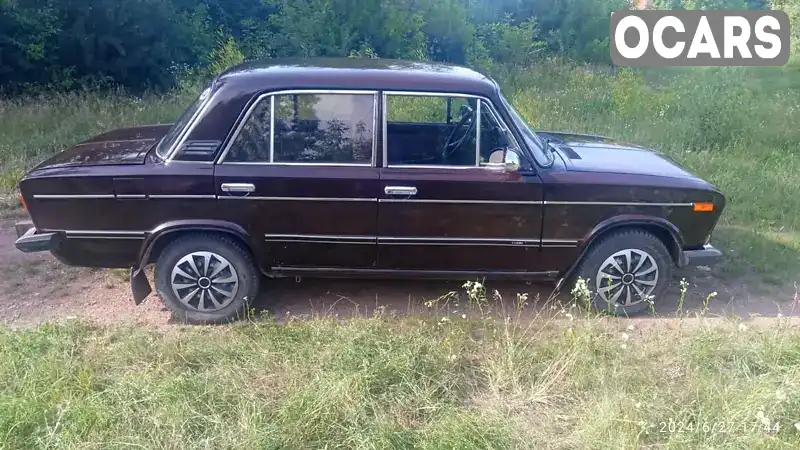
{"x":120,"y":146}
{"x":588,"y":153}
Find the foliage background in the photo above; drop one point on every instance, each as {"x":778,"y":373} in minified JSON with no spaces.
{"x":153,"y":44}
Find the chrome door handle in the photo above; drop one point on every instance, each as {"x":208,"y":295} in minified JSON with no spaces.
{"x":238,"y":187}
{"x":400,"y":190}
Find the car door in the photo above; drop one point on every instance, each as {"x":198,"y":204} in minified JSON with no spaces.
{"x":443,"y":206}
{"x":299,"y":176}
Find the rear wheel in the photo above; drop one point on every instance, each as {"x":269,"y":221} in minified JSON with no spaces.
{"x":626,"y":271}
{"x":206,"y":278}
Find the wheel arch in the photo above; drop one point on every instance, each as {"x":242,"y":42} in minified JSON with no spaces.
{"x":160,"y":237}
{"x":661,"y":228}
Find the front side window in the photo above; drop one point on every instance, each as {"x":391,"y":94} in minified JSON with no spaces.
{"x":442,"y":131}
{"x":308,"y":128}
{"x":430,"y":130}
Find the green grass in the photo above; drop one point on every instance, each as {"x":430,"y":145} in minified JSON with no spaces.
{"x":33,"y":128}
{"x":385,"y":382}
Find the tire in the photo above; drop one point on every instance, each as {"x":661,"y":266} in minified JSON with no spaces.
{"x":229,"y":279}
{"x":646,"y":269}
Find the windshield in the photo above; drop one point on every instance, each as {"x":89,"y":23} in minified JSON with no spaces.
{"x":175,"y":132}
{"x":540,"y":150}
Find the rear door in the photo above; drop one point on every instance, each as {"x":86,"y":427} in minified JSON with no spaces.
{"x":299,"y":175}
{"x":442,"y":206}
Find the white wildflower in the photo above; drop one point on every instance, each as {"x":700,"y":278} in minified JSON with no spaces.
{"x":625,"y":336}
{"x":742,"y":327}
{"x":763,"y":418}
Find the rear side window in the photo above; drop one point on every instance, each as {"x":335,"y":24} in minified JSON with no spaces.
{"x":308,"y":128}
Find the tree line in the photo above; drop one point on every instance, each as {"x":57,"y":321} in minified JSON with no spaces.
{"x":153,"y":44}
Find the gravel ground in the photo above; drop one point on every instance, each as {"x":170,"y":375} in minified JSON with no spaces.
{"x":36,"y":288}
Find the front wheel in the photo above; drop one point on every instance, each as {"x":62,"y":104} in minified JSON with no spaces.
{"x":206,"y":278}
{"x":626,"y":272}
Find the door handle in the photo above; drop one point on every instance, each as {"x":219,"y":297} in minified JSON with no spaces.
{"x":238,"y":187}
{"x":400,"y":190}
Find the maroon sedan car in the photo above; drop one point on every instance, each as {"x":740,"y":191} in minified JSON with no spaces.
{"x":352,"y":167}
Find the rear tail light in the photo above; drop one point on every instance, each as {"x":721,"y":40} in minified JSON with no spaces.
{"x":22,"y":202}
{"x":703,"y":207}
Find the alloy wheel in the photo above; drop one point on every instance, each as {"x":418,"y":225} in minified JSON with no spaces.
{"x":204,"y":281}
{"x":627,"y":277}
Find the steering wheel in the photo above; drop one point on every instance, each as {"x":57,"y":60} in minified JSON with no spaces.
{"x":452,"y":144}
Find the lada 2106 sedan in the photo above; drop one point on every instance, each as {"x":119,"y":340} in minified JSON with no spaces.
{"x":351,"y":167}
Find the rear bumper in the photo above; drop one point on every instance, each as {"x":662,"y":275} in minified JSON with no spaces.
{"x":707,"y":256}
{"x":30,"y":241}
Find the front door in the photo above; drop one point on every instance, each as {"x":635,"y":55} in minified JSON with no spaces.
{"x":443,"y":206}
{"x":299,"y":175}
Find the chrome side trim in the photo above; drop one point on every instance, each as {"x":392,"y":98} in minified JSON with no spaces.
{"x":72,"y":196}
{"x":437,"y":241}
{"x":105,"y":232}
{"x":251,"y":108}
{"x":478,"y":134}
{"x":432,"y":94}
{"x":375,"y":119}
{"x":462,"y":244}
{"x":321,"y":241}
{"x":385,"y":127}
{"x":271,"y":128}
{"x":186,"y":197}
{"x":307,"y":199}
{"x":551,"y":202}
{"x":559,"y":241}
{"x":309,"y":164}
{"x":399,"y":238}
{"x":135,"y":238}
{"x":320,"y":236}
{"x":131,"y":196}
{"x":475,"y":202}
{"x":100,"y":234}
{"x":457,"y":241}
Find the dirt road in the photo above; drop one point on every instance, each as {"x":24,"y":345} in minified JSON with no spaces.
{"x":35,"y":288}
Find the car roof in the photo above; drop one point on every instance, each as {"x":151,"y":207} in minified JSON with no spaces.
{"x":354,"y":74}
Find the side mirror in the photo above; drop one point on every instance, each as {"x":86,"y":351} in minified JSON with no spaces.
{"x":504,"y":159}
{"x":512,"y":161}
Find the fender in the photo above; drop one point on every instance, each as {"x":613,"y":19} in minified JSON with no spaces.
{"x":626,"y":220}
{"x":140,"y":286}
{"x":186,"y":225}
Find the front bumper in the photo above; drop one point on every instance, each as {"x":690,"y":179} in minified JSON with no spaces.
{"x":707,"y":256}
{"x":30,"y":241}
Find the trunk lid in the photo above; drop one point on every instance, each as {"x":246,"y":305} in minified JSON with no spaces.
{"x":121,"y":146}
